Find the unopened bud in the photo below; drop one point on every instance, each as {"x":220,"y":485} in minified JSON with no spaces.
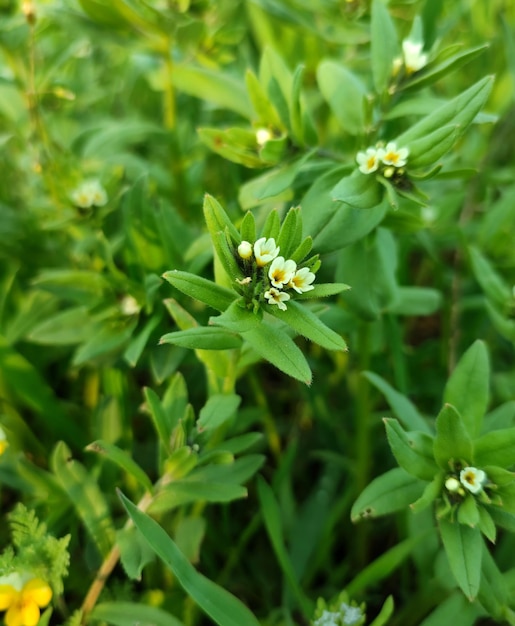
{"x":245,"y":250}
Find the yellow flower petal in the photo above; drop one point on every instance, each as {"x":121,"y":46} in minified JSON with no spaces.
{"x":8,"y":595}
{"x":23,"y":613}
{"x":38,"y":591}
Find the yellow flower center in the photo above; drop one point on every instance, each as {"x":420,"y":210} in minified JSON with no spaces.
{"x":393,"y":157}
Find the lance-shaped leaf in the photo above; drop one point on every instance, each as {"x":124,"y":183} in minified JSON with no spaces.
{"x":218,"y":409}
{"x":464,"y":549}
{"x":391,"y":492}
{"x":270,"y":342}
{"x":426,"y":150}
{"x":345,"y":94}
{"x":468,"y":387}
{"x":496,"y":448}
{"x":412,"y":450}
{"x":201,"y":289}
{"x":402,"y":406}
{"x":306,"y":323}
{"x":384,"y":45}
{"x":221,"y":606}
{"x":217,"y":219}
{"x":461,"y":110}
{"x":123,"y":460}
{"x":290,"y":234}
{"x":203,"y":338}
{"x":494,"y":286}
{"x":361,"y":191}
{"x":452,"y":441}
{"x":431,"y":492}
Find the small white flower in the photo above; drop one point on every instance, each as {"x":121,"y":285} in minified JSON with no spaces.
{"x":368,"y":161}
{"x":472,"y":479}
{"x":351,"y":614}
{"x":89,"y":193}
{"x":391,"y":155}
{"x":281,"y":271}
{"x":327,"y":619}
{"x":129,"y":305}
{"x":245,"y":250}
{"x":302,"y":280}
{"x":265,"y":251}
{"x":274,"y":296}
{"x":414,"y":58}
{"x":452,"y":484}
{"x":262,"y":136}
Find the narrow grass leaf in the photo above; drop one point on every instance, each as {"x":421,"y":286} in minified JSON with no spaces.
{"x":221,"y":606}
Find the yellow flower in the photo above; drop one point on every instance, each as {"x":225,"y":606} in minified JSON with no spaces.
{"x":23,"y":605}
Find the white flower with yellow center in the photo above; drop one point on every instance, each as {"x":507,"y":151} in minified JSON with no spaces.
{"x":301,"y":280}
{"x":89,"y":193}
{"x":265,"y":251}
{"x":368,"y":161}
{"x":472,"y":479}
{"x":245,"y":250}
{"x":277,"y":297}
{"x":414,"y":58}
{"x":391,"y":155}
{"x":281,"y":271}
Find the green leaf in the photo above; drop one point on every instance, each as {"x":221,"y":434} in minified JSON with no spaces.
{"x":490,"y":281}
{"x":468,"y":387}
{"x":468,"y":511}
{"x":109,"y":338}
{"x":391,"y":492}
{"x":496,"y":448}
{"x":384,"y":45}
{"x":206,"y":291}
{"x":217,"y":411}
{"x":412,"y":450}
{"x":203,"y":338}
{"x":384,"y":565}
{"x":181,"y":492}
{"x":428,"y":149}
{"x":270,"y":342}
{"x":431,"y":492}
{"x":416,"y":301}
{"x":361,"y":191}
{"x":221,"y":606}
{"x":452,"y":441}
{"x":345,"y":94}
{"x":464,"y":548}
{"x":435,"y":71}
{"x":65,"y":328}
{"x":322,"y":290}
{"x":239,"y":444}
{"x":306,"y":323}
{"x":456,"y":610}
{"x":135,"y":348}
{"x":163,"y":422}
{"x":214,"y":86}
{"x":385,"y":613}
{"x":123,"y":460}
{"x":272,"y":516}
{"x":238,"y":145}
{"x":85,"y":496}
{"x":124,"y":613}
{"x":461,"y":110}
{"x":134,"y":552}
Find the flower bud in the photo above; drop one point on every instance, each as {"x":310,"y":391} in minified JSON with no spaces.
{"x":245,"y":250}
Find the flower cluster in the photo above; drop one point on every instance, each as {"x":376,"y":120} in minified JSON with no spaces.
{"x":22,"y":596}
{"x":339,"y":614}
{"x":89,"y":194}
{"x":470,"y":478}
{"x":388,"y":158}
{"x":279,"y":274}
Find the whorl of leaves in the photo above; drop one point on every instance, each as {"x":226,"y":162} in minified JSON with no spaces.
{"x":34,"y":550}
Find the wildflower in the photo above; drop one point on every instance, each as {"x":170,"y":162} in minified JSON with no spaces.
{"x":23,"y":601}
{"x":414,"y":58}
{"x":351,"y":614}
{"x":393,"y":156}
{"x":368,"y":161}
{"x":327,"y":619}
{"x":129,"y":305}
{"x":301,"y":280}
{"x":3,"y":441}
{"x":265,"y":251}
{"x":452,"y":484}
{"x":89,"y":193}
{"x":245,"y":250}
{"x":472,"y":479}
{"x":281,"y":271}
{"x":274,"y":296}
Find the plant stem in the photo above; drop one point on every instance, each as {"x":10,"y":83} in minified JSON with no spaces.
{"x":107,"y":567}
